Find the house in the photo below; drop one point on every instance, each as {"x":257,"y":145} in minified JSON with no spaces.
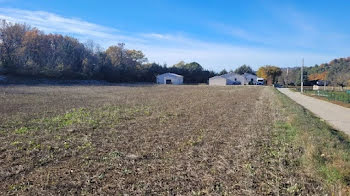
{"x":218,"y":81}
{"x":170,"y":78}
{"x":233,"y":79}
{"x":250,"y":79}
{"x":227,"y":79}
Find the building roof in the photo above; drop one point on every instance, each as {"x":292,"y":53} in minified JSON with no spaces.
{"x":215,"y":77}
{"x":229,"y":75}
{"x":248,"y":74}
{"x":233,"y":76}
{"x":171,"y":74}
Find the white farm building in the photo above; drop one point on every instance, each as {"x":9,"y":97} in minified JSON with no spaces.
{"x":170,"y":78}
{"x":233,"y":79}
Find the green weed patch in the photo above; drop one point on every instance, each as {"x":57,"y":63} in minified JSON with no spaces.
{"x":326,"y":152}
{"x":83,"y":117}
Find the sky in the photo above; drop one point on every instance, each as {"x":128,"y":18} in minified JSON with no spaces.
{"x":217,"y":34}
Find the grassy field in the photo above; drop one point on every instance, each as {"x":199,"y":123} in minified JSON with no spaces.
{"x":186,"y":140}
{"x":338,"y":97}
{"x":341,"y":98}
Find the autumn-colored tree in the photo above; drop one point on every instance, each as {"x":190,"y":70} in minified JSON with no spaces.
{"x":136,"y":56}
{"x":115,"y":54}
{"x":262,"y":73}
{"x":28,"y":51}
{"x":11,"y":38}
{"x":318,"y":76}
{"x":269,"y":73}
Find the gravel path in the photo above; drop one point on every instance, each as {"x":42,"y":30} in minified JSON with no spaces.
{"x":335,"y":115}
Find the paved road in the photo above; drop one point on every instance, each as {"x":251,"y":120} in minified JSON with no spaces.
{"x":337,"y":116}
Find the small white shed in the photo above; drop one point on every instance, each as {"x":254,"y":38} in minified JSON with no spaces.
{"x":227,"y":79}
{"x":218,"y":81}
{"x":233,"y":79}
{"x":170,"y":78}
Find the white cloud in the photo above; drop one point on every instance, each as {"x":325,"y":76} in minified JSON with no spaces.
{"x":54,"y":23}
{"x":218,"y":57}
{"x":164,"y":48}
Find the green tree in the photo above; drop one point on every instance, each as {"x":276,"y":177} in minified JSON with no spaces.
{"x":222,"y":72}
{"x":180,"y":64}
{"x":244,"y":69}
{"x":193,"y":66}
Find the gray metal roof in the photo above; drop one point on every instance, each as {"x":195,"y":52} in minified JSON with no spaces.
{"x":234,"y":76}
{"x":217,"y":77}
{"x":231,"y":75}
{"x":248,"y":74}
{"x":171,"y":74}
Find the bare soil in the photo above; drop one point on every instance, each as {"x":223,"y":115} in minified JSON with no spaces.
{"x":146,"y":140}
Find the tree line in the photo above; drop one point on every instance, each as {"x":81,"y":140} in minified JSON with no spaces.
{"x":27,"y":51}
{"x":335,"y":73}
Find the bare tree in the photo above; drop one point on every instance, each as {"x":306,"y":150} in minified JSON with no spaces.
{"x":342,"y":79}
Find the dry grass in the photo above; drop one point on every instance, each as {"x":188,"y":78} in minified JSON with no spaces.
{"x":186,"y":140}
{"x":326,"y":151}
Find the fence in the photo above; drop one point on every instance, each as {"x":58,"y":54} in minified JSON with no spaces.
{"x":343,"y":96}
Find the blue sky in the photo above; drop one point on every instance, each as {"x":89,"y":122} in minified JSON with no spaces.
{"x":217,"y":34}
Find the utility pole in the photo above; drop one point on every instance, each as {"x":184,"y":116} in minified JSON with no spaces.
{"x":287,"y":81}
{"x":325,"y":82}
{"x":302,"y":77}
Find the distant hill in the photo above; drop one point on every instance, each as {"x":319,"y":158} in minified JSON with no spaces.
{"x":337,"y":72}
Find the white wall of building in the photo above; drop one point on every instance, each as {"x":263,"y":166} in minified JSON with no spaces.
{"x":174,"y":78}
{"x":218,"y":81}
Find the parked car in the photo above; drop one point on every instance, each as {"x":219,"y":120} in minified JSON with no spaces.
{"x":278,"y":85}
{"x":260,"y":81}
{"x":322,"y":83}
{"x":236,"y":83}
